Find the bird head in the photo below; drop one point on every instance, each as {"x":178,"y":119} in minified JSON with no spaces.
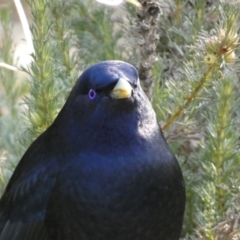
{"x":111,"y":79}
{"x":107,"y":94}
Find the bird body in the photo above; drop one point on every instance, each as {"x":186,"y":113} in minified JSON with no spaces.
{"x":102,"y":170}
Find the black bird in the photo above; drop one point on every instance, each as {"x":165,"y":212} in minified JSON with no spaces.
{"x":101,"y":171}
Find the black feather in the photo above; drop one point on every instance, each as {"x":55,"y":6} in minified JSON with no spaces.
{"x":102,"y":170}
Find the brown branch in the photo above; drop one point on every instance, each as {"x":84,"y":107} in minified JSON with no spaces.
{"x":193,"y":95}
{"x":146,"y":27}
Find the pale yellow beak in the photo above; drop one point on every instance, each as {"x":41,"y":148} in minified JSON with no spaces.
{"x":123,"y":89}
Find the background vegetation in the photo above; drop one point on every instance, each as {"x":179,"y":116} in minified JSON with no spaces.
{"x":187,"y":55}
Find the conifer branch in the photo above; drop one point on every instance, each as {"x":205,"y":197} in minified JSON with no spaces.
{"x":192,"y":96}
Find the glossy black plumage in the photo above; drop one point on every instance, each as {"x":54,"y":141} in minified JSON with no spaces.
{"x":101,"y":171}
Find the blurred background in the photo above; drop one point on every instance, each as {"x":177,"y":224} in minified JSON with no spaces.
{"x":21,"y":51}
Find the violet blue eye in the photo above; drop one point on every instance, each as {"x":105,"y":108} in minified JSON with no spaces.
{"x":92,"y":94}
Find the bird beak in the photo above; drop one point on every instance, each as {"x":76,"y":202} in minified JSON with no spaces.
{"x":123,"y":89}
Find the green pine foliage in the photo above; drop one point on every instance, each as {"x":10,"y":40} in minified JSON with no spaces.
{"x":193,"y":63}
{"x":12,"y":90}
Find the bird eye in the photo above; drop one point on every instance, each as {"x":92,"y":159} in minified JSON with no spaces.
{"x":92,"y":94}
